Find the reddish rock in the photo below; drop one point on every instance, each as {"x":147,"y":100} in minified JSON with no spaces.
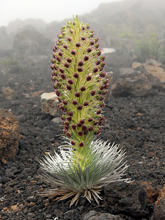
{"x":152,"y":194}
{"x":9,"y":134}
{"x":159,"y":209}
{"x":8,"y":92}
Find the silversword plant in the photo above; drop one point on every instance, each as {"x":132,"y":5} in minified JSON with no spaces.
{"x":85,"y":163}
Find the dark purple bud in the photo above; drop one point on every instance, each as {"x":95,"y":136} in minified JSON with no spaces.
{"x":69,"y":60}
{"x":69,"y":118}
{"x":63,"y":76}
{"x":65,"y":46}
{"x":58,"y":84}
{"x":103,"y":74}
{"x":86,"y":58}
{"x":81,"y":144}
{"x":86,"y":103}
{"x":98,"y":112}
{"x":76,"y":75}
{"x":84,"y":127}
{"x":78,"y":45}
{"x":69,"y":39}
{"x":69,"y":87}
{"x":83,"y":38}
{"x":88,"y":78}
{"x":77,"y":94}
{"x":79,"y":125}
{"x":83,"y":28}
{"x":83,"y":88}
{"x":70,"y":81}
{"x":70,"y":113}
{"x":102,"y":58}
{"x":66,"y":123}
{"x":57,"y":93}
{"x":82,"y":121}
{"x":91,"y":42}
{"x":68,"y":135}
{"x":101,"y":98}
{"x":99,"y":52}
{"x":73,"y":127}
{"x":80,"y":133}
{"x":90,"y":128}
{"x":97,"y":45}
{"x":79,"y":69}
{"x":93,"y":93}
{"x":73,"y":143}
{"x":90,"y":119}
{"x":65,"y":102}
{"x":73,"y":52}
{"x":95,"y":70}
{"x":79,"y":107}
{"x":98,"y":62}
{"x":98,"y":132}
{"x":60,"y":53}
{"x":89,"y":50}
{"x":74,"y":102}
{"x":57,"y":58}
{"x":96,"y":40}
{"x":66,"y":65}
{"x":80,"y":63}
{"x":71,"y":31}
{"x":61,"y":70}
{"x":102,"y":64}
{"x":95,"y":123}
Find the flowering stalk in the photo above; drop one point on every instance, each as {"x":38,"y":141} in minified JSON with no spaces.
{"x":80,"y":84}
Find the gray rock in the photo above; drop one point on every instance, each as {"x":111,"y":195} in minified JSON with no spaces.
{"x":93,"y":215}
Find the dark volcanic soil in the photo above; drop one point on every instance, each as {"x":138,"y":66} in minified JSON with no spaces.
{"x":137,"y":124}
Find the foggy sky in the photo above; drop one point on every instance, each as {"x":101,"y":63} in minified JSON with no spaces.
{"x":47,"y":10}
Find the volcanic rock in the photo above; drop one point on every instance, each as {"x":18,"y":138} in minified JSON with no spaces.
{"x":159,"y":209}
{"x":49,"y":103}
{"x":8,"y":92}
{"x":9,"y":134}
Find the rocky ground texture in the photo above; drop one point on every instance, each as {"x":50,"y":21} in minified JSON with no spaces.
{"x":136,"y":123}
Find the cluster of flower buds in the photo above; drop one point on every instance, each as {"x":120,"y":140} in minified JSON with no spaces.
{"x":79,"y":81}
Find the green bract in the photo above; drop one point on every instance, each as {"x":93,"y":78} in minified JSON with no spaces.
{"x":84,"y":164}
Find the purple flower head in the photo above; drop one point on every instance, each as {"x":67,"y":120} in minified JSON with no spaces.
{"x":71,"y":31}
{"x":84,"y":127}
{"x":73,"y":143}
{"x":68,"y":135}
{"x":78,"y":45}
{"x":90,"y":128}
{"x":103,"y":74}
{"x":79,"y":125}
{"x":102,"y":58}
{"x":77,"y":94}
{"x":89,"y":50}
{"x":73,"y":52}
{"x":60,"y":53}
{"x":82,"y":121}
{"x":81,"y":144}
{"x":90,"y":119}
{"x":86,"y":58}
{"x":66,"y":65}
{"x":76,"y":75}
{"x":98,"y":62}
{"x":61,"y":70}
{"x":91,"y":42}
{"x":58,"y":59}
{"x":97,"y":45}
{"x":83,"y":38}
{"x":102,"y":87}
{"x":79,"y":69}
{"x":65,"y":102}
{"x":69,"y":87}
{"x":99,"y":52}
{"x":98,"y":112}
{"x":88,"y":78}
{"x":65,"y":46}
{"x":73,"y":127}
{"x":95,"y":123}
{"x":83,"y":28}
{"x":69,"y":60}
{"x":102,"y":64}
{"x":95,"y":70}
{"x":69,"y":118}
{"x":79,"y":107}
{"x":83,"y":88}
{"x":63,"y":76}
{"x":74,"y":102}
{"x":96,"y":39}
{"x":80,"y":63}
{"x":93,"y":93}
{"x":69,"y":39}
{"x":70,"y":113}
{"x":80,"y":133}
{"x":70,"y":81}
{"x":86,"y":103}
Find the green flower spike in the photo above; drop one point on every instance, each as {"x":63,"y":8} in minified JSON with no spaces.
{"x":84,"y":164}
